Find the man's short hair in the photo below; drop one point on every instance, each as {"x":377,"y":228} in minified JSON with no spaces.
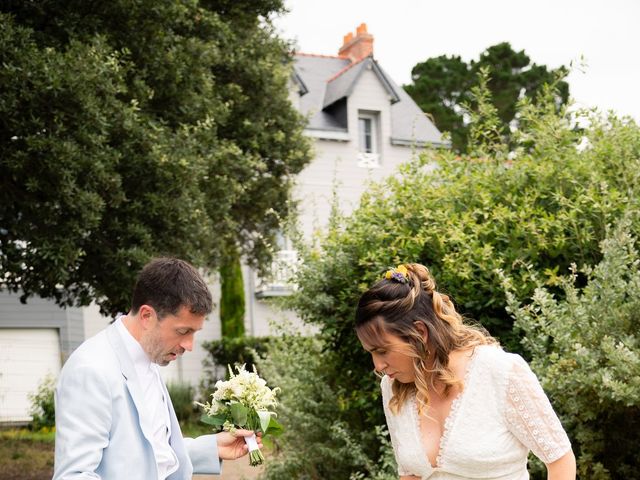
{"x":167,"y":284}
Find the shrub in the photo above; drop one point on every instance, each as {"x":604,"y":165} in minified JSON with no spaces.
{"x":317,"y":443}
{"x":530,"y":212}
{"x":182,"y":396}
{"x":585,"y":348}
{"x":43,"y":408}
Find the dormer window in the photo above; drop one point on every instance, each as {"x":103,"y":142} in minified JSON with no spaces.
{"x":368,"y":140}
{"x":366,"y":134}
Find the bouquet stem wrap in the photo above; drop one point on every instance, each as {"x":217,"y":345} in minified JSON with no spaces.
{"x":255,"y":455}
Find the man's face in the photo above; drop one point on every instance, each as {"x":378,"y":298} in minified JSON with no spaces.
{"x":165,"y":340}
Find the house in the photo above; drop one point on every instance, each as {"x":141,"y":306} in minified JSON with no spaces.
{"x":363,"y":127}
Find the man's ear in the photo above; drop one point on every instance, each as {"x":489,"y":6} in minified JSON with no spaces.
{"x":422,"y":329}
{"x":147,"y":315}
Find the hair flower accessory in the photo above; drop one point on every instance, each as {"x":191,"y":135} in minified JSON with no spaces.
{"x":399,"y":274}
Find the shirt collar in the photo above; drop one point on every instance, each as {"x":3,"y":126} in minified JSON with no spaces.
{"x":138,"y":356}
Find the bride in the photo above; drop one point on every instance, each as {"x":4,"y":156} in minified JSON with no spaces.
{"x":457,"y":405}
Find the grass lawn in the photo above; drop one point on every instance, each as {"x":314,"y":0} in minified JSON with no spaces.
{"x":26,"y":455}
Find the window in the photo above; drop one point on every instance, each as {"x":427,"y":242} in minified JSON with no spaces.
{"x":277,"y":280}
{"x":366,"y":134}
{"x":368,"y":153}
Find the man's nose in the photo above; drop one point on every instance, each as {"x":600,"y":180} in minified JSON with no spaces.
{"x":187,"y":343}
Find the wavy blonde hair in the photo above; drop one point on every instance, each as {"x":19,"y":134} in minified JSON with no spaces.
{"x":394,"y":307}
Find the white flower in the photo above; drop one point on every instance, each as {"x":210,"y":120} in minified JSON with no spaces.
{"x":244,"y":401}
{"x":247,"y":388}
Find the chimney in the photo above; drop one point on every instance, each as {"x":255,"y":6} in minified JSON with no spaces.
{"x":358,"y":47}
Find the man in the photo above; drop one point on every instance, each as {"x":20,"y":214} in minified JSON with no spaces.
{"x":114,"y":417}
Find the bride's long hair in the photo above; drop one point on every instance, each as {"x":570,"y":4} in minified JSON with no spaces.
{"x":392,"y":306}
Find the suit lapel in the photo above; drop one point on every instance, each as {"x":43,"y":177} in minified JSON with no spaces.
{"x":129,"y":373}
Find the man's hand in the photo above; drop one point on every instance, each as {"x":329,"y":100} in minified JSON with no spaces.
{"x":232,"y":446}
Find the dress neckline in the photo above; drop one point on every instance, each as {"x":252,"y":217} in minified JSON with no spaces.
{"x":451,"y":416}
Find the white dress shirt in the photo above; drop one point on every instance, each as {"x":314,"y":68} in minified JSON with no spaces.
{"x":154,"y":418}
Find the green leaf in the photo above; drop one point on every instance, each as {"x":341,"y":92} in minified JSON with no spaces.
{"x":268,"y":442}
{"x":239,"y":413}
{"x":216,"y":421}
{"x":265,"y":418}
{"x":274,"y":428}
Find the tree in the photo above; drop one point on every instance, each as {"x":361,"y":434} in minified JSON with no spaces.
{"x":441,"y":86}
{"x":133,"y":129}
{"x":232,"y":302}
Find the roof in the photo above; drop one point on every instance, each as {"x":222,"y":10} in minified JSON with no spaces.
{"x":342,"y":83}
{"x":328,"y":80}
{"x":314,"y":71}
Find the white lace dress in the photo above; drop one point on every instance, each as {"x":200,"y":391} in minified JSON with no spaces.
{"x":501,"y":414}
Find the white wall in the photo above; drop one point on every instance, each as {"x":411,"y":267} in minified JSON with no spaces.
{"x":94,"y":321}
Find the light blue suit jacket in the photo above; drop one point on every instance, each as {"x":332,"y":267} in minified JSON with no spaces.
{"x":98,"y":429}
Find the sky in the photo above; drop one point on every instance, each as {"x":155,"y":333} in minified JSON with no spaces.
{"x":600,"y":38}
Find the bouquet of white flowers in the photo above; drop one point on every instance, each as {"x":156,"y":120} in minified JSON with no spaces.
{"x":244,"y":401}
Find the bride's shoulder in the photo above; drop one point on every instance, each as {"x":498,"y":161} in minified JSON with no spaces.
{"x":489,"y":357}
{"x":496,"y":361}
{"x":491,"y":353}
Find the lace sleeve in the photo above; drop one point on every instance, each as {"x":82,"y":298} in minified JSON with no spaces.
{"x":392,"y":424}
{"x":530,"y":416}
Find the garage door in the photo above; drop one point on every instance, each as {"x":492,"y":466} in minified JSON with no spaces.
{"x":27,"y":355}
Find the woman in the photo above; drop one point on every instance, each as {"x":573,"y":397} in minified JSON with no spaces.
{"x":457,"y":405}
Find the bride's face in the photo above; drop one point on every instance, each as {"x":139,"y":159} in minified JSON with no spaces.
{"x":392,"y":356}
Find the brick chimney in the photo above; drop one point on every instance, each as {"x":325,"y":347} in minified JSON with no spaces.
{"x":358,"y":47}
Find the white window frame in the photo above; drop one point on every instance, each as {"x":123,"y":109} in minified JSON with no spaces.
{"x":369,"y":159}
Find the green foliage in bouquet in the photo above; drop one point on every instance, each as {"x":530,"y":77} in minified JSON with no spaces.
{"x":585,"y":348}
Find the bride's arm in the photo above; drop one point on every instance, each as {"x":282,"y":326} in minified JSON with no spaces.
{"x":409,"y":477}
{"x":562,"y":469}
